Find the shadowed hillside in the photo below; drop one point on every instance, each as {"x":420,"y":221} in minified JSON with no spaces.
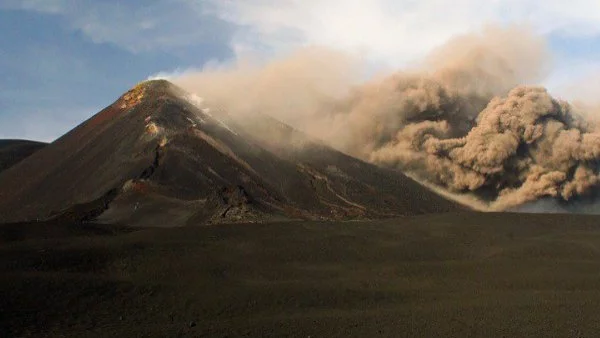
{"x":14,"y":151}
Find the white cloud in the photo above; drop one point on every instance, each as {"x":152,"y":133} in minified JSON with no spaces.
{"x":573,"y":17}
{"x":167,"y":75}
{"x":45,"y":6}
{"x":158,"y":25}
{"x":578,"y":82}
{"x":394,"y":32}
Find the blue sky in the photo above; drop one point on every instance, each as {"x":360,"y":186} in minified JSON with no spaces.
{"x":63,"y":60}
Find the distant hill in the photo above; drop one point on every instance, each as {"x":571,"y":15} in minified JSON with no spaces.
{"x":14,"y":151}
{"x":158,"y":157}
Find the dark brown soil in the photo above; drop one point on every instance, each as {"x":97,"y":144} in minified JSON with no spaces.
{"x":446,"y":275}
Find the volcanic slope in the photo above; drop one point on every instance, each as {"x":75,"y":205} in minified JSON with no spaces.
{"x":14,"y":151}
{"x":158,"y":157}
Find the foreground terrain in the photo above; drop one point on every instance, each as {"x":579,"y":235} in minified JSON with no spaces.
{"x":457,"y":274}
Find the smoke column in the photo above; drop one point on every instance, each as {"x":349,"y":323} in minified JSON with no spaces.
{"x":467,"y":120}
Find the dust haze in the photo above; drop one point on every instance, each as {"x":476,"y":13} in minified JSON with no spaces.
{"x":468,"y":120}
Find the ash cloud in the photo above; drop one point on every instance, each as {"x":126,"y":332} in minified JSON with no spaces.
{"x":466,"y":121}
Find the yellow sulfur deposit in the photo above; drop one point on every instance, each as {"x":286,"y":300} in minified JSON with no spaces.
{"x":133,"y":96}
{"x":152,"y":128}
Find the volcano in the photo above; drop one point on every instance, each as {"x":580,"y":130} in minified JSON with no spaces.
{"x":158,"y":156}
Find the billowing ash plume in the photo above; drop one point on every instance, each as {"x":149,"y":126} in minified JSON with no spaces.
{"x":462,"y":121}
{"x":523,"y":147}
